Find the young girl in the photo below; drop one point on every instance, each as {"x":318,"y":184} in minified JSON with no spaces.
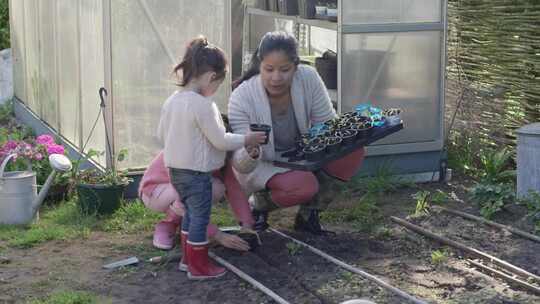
{"x":195,"y":141}
{"x":158,"y":194}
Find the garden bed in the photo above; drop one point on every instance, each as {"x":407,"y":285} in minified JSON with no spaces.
{"x":366,"y":238}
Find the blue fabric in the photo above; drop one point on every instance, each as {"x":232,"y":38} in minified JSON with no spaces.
{"x":195,"y":191}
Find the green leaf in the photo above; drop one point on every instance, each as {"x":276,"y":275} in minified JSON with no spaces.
{"x":122,"y":154}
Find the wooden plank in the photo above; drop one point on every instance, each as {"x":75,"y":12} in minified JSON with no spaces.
{"x":506,"y":277}
{"x":511,"y":229}
{"x":503,"y":264}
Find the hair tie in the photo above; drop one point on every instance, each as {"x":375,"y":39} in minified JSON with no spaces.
{"x":204,"y":42}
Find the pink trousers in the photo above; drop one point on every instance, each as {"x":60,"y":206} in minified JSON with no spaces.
{"x":224,"y":182}
{"x":299,"y":187}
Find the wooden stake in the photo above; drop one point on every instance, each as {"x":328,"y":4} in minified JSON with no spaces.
{"x":503,"y":264}
{"x":513,"y":230}
{"x":506,"y":277}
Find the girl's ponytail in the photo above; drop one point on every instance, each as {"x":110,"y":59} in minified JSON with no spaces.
{"x":201,"y":57}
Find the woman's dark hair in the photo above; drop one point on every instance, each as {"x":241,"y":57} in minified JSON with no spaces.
{"x":270,"y":42}
{"x":199,"y":58}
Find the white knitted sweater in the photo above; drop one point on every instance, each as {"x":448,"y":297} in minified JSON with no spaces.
{"x":193,"y":133}
{"x":249,"y":104}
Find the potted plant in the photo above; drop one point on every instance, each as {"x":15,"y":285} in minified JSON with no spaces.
{"x":333,"y":144}
{"x":332,"y":124}
{"x":100,"y":192}
{"x":392,"y":116}
{"x":315,"y":151}
{"x":364,"y":128}
{"x":348,"y":136}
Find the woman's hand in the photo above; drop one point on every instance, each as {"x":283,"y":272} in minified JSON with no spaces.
{"x":253,"y":139}
{"x":231,"y":241}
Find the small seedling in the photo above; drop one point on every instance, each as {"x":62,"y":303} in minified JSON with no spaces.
{"x":293,"y":248}
{"x":347,"y":276}
{"x":384,"y":233}
{"x":439,"y":197}
{"x":422,"y":203}
{"x":439,"y":257}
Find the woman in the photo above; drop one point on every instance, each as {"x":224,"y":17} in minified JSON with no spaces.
{"x":158,"y":194}
{"x":278,"y":91}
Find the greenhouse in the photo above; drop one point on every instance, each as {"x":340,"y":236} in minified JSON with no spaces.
{"x":389,"y":53}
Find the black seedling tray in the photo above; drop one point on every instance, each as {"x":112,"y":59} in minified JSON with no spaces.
{"x":295,"y":163}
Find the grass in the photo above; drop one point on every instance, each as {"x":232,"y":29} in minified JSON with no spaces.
{"x":222,"y":215}
{"x":363,"y":216}
{"x":463,"y":153}
{"x":425,"y":199}
{"x":132,"y":217}
{"x":383,"y":181}
{"x":63,"y":222}
{"x":69,"y":297}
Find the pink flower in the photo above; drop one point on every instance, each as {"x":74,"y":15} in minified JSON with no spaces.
{"x":38,"y":156}
{"x":55,"y":149}
{"x":45,"y":139}
{"x":10,"y":145}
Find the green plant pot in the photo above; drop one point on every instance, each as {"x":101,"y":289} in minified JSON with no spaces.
{"x":99,"y":199}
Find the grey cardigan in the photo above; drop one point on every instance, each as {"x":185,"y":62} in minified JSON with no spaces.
{"x":249,"y":104}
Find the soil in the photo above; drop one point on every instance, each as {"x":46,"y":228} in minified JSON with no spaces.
{"x":390,"y":252}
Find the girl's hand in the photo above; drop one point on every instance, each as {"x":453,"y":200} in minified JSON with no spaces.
{"x":254,"y":138}
{"x":253,"y":152}
{"x":231,"y":241}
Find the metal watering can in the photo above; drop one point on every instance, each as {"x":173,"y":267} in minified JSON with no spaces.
{"x":19,"y":200}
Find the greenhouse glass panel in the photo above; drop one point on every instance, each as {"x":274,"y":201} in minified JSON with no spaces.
{"x":18,"y":48}
{"x":47,"y":70}
{"x":148,"y":38}
{"x":32,"y":55}
{"x":322,"y":40}
{"x":396,"y":70}
{"x":92,"y":72}
{"x":68,"y":73}
{"x":391,"y":11}
{"x":260,"y":25}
